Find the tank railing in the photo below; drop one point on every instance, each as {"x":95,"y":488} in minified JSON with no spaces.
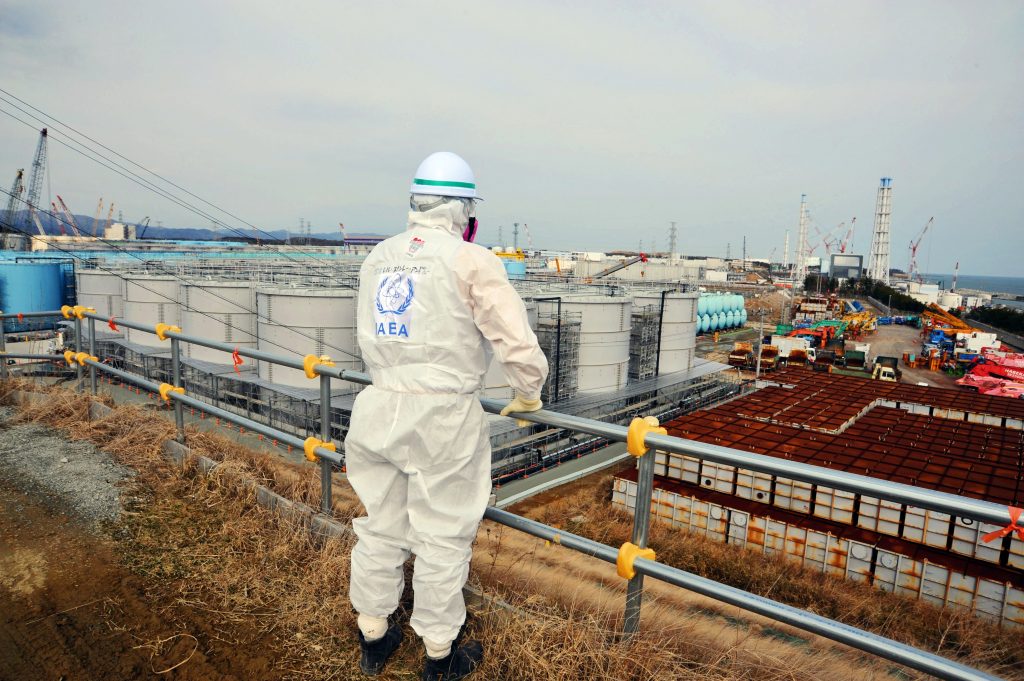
{"x":636,"y":566}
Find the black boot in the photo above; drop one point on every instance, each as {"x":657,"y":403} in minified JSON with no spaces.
{"x":459,"y":663}
{"x":375,"y":654}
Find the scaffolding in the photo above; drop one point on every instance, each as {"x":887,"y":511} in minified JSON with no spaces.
{"x":559,"y":338}
{"x":643,"y":342}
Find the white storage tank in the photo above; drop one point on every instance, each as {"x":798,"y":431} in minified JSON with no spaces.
{"x":222,"y":311}
{"x":604,"y":339}
{"x":103,"y":291}
{"x":306,"y":321}
{"x":150,"y":300}
{"x":949,"y":300}
{"x":678,"y":327}
{"x":496,"y":385}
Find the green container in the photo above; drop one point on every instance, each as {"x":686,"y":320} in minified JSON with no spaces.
{"x":783,"y":329}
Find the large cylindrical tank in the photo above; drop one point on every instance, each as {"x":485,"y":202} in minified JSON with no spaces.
{"x":705,"y":322}
{"x":29,"y":287}
{"x":678,"y":328}
{"x":219,"y":310}
{"x":743,"y":317}
{"x":150,"y":300}
{"x":604,"y":339}
{"x":496,"y":385}
{"x":730,"y":319}
{"x":714,"y":322}
{"x":950,"y":300}
{"x":702,"y":305}
{"x":306,"y":321}
{"x":101,"y":290}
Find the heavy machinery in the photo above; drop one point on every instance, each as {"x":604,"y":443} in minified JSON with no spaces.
{"x":621,"y":266}
{"x":912,"y":268}
{"x":742,"y":355}
{"x":17,"y":189}
{"x":35,"y":186}
{"x":887,"y":369}
{"x":69,"y":216}
{"x":769,"y":358}
{"x":948,"y":323}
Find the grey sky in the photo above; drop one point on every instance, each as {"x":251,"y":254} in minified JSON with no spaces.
{"x":595,"y":123}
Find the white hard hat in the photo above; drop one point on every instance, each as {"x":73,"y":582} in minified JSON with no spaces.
{"x":444,"y":174}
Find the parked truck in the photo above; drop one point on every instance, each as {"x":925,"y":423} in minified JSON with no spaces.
{"x":887,"y":369}
{"x":787,"y":345}
{"x":769,"y":357}
{"x":742,"y":355}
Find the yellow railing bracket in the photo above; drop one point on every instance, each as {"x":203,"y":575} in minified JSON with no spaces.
{"x":639,"y":428}
{"x":67,"y":311}
{"x":311,"y":443}
{"x":162,"y":329}
{"x":628,"y":553}
{"x":166,"y":389}
{"x":69,"y":357}
{"x":310,"y":361}
{"x":80,"y":357}
{"x":80,"y":310}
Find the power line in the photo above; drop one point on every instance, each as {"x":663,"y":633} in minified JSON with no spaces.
{"x":175,"y":276}
{"x":150,"y":186}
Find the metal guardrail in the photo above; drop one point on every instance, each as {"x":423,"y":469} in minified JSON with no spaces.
{"x":631,"y":556}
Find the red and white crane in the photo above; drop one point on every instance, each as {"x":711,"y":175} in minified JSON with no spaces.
{"x":912,"y":268}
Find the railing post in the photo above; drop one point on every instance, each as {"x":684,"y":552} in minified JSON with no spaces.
{"x":92,"y":353}
{"x":325,"y":435}
{"x":78,"y":348}
{"x":179,"y":412}
{"x":641,"y":528}
{"x":3,"y":347}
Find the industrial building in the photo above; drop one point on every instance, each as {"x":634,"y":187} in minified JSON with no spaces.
{"x":951,"y":441}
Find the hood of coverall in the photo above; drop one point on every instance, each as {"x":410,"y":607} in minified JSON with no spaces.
{"x":450,"y":215}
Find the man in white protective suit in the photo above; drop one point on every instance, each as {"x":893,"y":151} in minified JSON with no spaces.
{"x":433,"y":306}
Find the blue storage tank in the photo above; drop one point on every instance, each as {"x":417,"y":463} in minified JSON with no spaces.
{"x":730,"y":319}
{"x":702,"y":305}
{"x":714,"y":321}
{"x":705,"y":322}
{"x":30,"y":287}
{"x":743,"y":316}
{"x":514,"y":268}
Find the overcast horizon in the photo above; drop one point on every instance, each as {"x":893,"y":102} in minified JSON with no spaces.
{"x":595,"y":123}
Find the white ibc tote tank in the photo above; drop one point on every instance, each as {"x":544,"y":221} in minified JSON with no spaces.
{"x":604,"y":339}
{"x":679,"y":325}
{"x":306,"y":321}
{"x":222,"y":311}
{"x":150,"y":300}
{"x":103,"y":291}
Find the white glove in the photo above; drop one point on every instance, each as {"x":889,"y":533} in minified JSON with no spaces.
{"x":522,"y":405}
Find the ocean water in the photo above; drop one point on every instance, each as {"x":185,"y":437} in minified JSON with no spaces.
{"x":1014,"y":285}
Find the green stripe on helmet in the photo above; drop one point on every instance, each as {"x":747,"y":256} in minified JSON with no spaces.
{"x":443,"y":183}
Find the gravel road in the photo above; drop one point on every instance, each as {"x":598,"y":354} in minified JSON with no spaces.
{"x":71,"y":477}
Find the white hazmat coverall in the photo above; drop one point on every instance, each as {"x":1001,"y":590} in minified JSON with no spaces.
{"x":418,"y":454}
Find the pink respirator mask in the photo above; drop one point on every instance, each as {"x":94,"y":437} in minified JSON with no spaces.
{"x":469,"y":234}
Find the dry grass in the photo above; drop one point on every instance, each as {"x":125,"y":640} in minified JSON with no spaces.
{"x":207,"y":547}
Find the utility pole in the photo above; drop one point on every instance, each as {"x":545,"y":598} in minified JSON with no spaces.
{"x":728,"y":251}
{"x":744,"y":252}
{"x":515,"y":236}
{"x":760,"y":340}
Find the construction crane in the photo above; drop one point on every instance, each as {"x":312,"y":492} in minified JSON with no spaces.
{"x":141,"y":226}
{"x":55,"y":212}
{"x":96,"y":217}
{"x":529,"y":237}
{"x":622,"y":265}
{"x":110,"y":218}
{"x":69,"y":216}
{"x":912,"y":268}
{"x":17,"y":189}
{"x":848,"y":240}
{"x":35,"y":184}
